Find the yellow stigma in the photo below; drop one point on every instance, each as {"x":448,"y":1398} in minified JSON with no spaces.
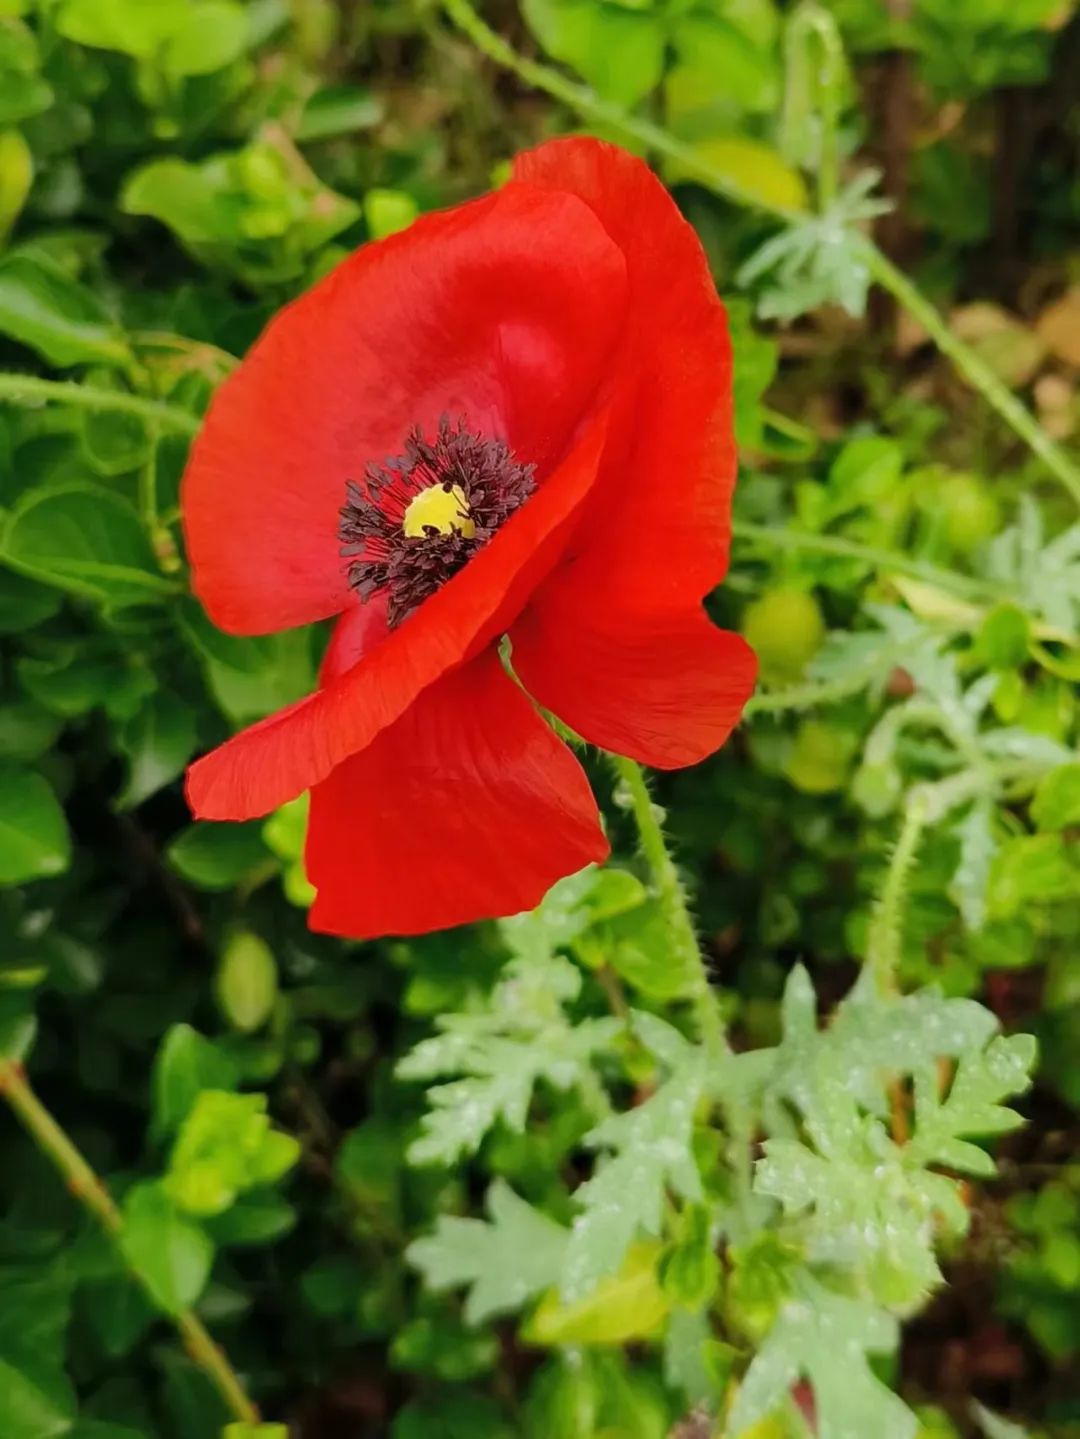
{"x":439,"y":509}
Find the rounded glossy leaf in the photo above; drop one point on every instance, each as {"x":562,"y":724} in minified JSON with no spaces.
{"x":34,"y":841}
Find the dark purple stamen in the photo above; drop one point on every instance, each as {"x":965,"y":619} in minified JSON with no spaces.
{"x":410,"y":568}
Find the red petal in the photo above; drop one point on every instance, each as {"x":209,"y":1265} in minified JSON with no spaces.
{"x":616,"y":643}
{"x":503,"y":311}
{"x":665,"y":689}
{"x":468,"y":808}
{"x":283,"y":755}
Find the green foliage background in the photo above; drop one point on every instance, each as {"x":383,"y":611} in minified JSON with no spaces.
{"x":520,"y":1179}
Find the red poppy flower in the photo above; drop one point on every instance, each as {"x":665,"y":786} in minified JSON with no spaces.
{"x":513,"y":419}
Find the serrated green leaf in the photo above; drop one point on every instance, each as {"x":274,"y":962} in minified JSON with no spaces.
{"x":505,"y":1261}
{"x":825,"y":1339}
{"x":502,"y":1054}
{"x":978,"y":846}
{"x":652,"y":1154}
{"x":973,"y":1104}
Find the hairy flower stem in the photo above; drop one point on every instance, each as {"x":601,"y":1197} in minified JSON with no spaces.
{"x":32,"y":390}
{"x":89,"y":1190}
{"x":883,"y":947}
{"x":589,"y":105}
{"x":670,"y":895}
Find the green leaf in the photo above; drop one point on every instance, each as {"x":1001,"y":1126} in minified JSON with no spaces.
{"x":995,"y":1427}
{"x":86,"y":540}
{"x":973,"y":1104}
{"x":453,"y":1415}
{"x":978,"y":846}
{"x":626,"y":1196}
{"x":619,"y":50}
{"x":1032,"y":868}
{"x":250,"y":677}
{"x":34,"y":841}
{"x":92,"y":1429}
{"x":36,"y":1397}
{"x":186,"y":1064}
{"x":23,"y":89}
{"x":246,"y":982}
{"x":33,"y":1405}
{"x":255,"y":1431}
{"x":563,"y":1400}
{"x":211,"y":34}
{"x":856,"y":1204}
{"x":338,"y":110}
{"x":43,"y":307}
{"x":225,"y":1146}
{"x":824,"y":1338}
{"x":218,"y":856}
{"x":1057,"y":799}
{"x":169,"y":1253}
{"x":254,"y":211}
{"x":71,"y":679}
{"x":690,"y":1270}
{"x":571,"y":908}
{"x":259,"y":1217}
{"x":195,"y":1409}
{"x":24,"y":604}
{"x":18,"y":1026}
{"x":502,"y":1055}
{"x":183,"y":37}
{"x":855,"y":1198}
{"x":158,"y":743}
{"x":386,"y":212}
{"x":819,"y":261}
{"x":755,"y":167}
{"x":16,"y":174}
{"x":27,"y":730}
{"x":505,"y":1261}
{"x":628,"y":1306}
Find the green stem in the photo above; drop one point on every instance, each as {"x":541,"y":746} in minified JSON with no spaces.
{"x":589,"y":105}
{"x":821,"y":76}
{"x":86,"y":1187}
{"x":32,"y":390}
{"x":161,"y":541}
{"x":670,"y":894}
{"x":772,"y":537}
{"x":975,"y":370}
{"x":583,"y":100}
{"x":883,"y":947}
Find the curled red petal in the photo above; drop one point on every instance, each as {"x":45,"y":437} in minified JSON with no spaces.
{"x":616,"y":642}
{"x":503,"y":311}
{"x":688,"y":679}
{"x":281,"y":756}
{"x":467,"y":808}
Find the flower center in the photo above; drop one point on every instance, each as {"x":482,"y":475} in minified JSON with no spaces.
{"x":438,"y":508}
{"x":417,"y":518}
